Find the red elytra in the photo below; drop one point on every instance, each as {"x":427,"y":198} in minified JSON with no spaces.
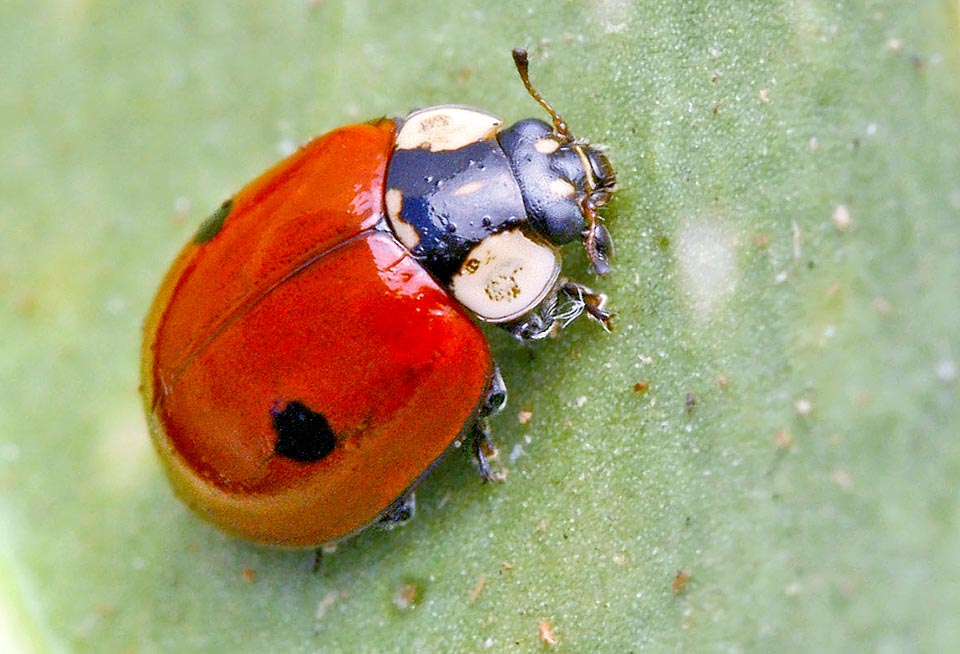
{"x":252,"y":314}
{"x":308,"y":357}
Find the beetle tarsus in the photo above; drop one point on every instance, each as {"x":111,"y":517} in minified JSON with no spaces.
{"x":589,"y":302}
{"x":483,"y":449}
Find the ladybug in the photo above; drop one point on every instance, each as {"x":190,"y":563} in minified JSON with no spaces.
{"x":314,"y":350}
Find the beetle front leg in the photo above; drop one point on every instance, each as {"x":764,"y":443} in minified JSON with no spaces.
{"x":566,"y":302}
{"x":586,"y":301}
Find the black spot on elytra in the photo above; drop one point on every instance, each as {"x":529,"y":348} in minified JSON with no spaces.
{"x":302,"y":434}
{"x":213,"y":224}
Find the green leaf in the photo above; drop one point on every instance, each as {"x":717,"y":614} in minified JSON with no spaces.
{"x":775,"y":414}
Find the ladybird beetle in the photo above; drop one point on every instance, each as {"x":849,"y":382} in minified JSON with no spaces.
{"x":312,"y":352}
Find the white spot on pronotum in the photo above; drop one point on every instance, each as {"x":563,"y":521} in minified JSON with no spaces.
{"x":409,"y":236}
{"x":446,"y":127}
{"x":470,"y":188}
{"x":393,"y":198}
{"x":706,"y":254}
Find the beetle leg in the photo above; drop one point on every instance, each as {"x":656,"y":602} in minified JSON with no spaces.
{"x":484,"y":449}
{"x":586,"y":301}
{"x":402,"y":510}
{"x":563,"y":305}
{"x":481,"y":445}
{"x":496,"y":395}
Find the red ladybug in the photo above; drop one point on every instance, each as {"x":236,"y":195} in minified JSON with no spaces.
{"x":312,"y":353}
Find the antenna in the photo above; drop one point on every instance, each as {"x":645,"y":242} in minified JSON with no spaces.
{"x":559,"y":124}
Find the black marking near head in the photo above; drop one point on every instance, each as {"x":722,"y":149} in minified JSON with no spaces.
{"x":213,"y":224}
{"x":302,"y":434}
